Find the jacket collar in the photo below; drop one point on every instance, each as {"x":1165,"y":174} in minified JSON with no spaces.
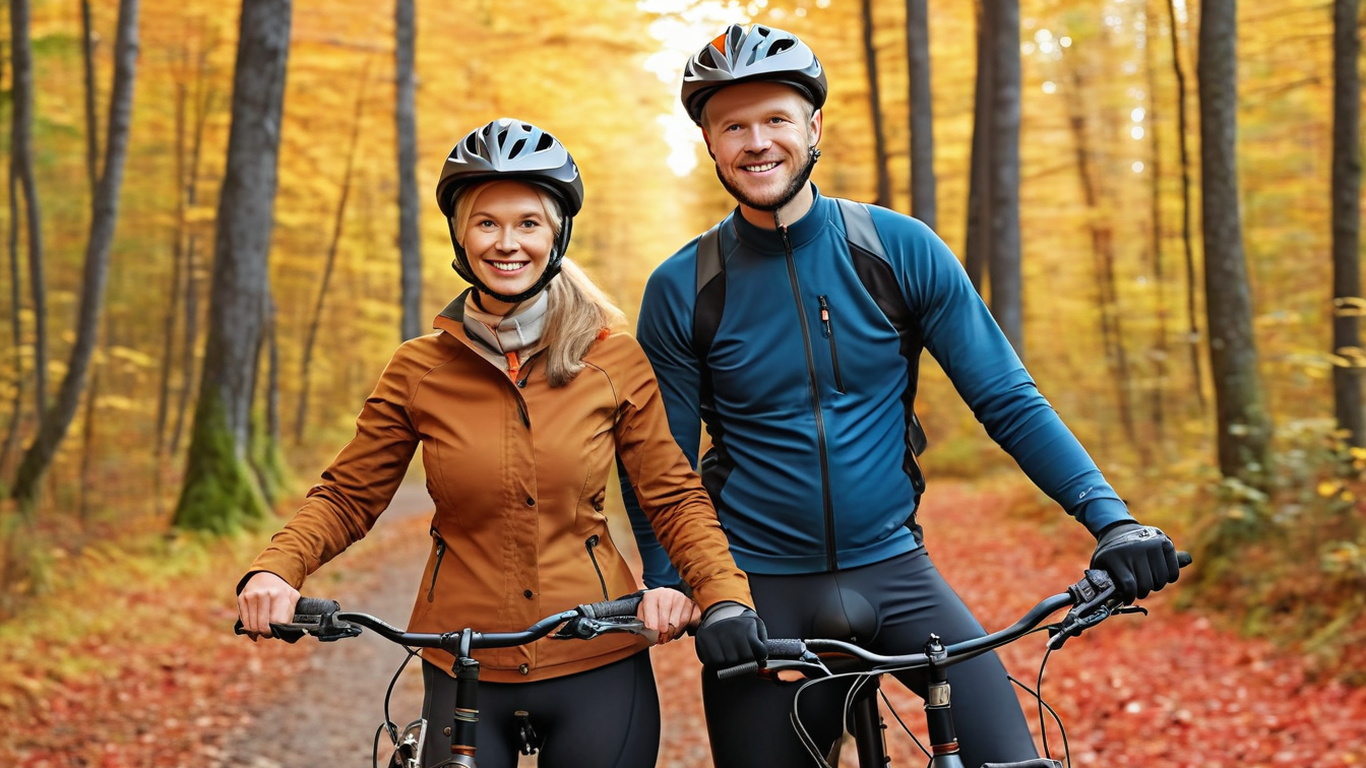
{"x":799,"y":232}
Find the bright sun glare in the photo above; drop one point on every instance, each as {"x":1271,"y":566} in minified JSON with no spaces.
{"x":682,"y":28}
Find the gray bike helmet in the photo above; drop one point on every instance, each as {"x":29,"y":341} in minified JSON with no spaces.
{"x":513,"y":150}
{"x":761,"y":53}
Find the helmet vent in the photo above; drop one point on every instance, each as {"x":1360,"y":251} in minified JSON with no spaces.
{"x":779,"y":46}
{"x":545,"y":143}
{"x":472,"y":144}
{"x":517,"y":148}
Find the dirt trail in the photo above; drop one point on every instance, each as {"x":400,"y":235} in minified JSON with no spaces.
{"x":327,"y":712}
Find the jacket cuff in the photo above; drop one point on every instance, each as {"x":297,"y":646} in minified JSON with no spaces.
{"x":1100,"y":514}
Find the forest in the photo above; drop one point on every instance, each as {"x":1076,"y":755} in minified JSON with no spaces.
{"x":219,"y":225}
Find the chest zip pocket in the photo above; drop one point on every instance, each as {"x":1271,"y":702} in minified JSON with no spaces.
{"x":440,"y":554}
{"x":828,"y":331}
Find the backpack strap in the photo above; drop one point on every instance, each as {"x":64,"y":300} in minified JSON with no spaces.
{"x":708,"y":306}
{"x":874,"y":270}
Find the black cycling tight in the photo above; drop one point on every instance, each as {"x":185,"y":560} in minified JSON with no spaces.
{"x":602,"y":718}
{"x":890,"y":608}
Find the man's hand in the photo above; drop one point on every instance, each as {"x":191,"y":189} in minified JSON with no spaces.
{"x":668,"y":612}
{"x":1139,"y":558}
{"x":731,"y":634}
{"x":265,"y":599}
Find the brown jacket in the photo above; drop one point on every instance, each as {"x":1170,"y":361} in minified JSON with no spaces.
{"x":518,"y":472}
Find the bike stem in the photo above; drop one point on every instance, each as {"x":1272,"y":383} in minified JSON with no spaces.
{"x":938,"y":710}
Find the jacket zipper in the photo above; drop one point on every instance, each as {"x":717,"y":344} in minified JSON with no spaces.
{"x":829,"y":332}
{"x":831,"y":558}
{"x":440,"y":553}
{"x":592,"y":541}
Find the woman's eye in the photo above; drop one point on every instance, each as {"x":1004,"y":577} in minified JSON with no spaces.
{"x":530,"y":223}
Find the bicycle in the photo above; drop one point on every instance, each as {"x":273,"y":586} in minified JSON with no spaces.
{"x":1091,"y":600}
{"x":325,"y":620}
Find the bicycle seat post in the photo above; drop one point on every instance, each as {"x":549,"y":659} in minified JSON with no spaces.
{"x":938,"y":709}
{"x":466,"y":719}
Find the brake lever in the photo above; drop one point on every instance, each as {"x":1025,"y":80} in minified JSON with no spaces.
{"x":1094,"y":601}
{"x":586,"y":628}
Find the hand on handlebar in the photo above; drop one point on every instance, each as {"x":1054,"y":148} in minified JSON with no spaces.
{"x":731,"y":634}
{"x":1139,"y":558}
{"x":669,"y":612}
{"x":264,"y":600}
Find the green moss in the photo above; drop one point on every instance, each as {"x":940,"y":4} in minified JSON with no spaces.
{"x":221,"y":494}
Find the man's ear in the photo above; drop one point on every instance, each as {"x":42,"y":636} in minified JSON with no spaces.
{"x":707,"y":140}
{"x":816,"y":127}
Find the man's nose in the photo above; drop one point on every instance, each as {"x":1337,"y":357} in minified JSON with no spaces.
{"x":756,"y":140}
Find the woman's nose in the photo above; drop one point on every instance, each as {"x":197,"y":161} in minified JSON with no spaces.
{"x":507,"y":240}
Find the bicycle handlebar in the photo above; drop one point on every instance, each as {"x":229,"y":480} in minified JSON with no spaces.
{"x":1093,"y":599}
{"x":325,"y":620}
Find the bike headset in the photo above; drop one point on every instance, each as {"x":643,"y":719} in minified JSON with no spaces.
{"x":760,"y":53}
{"x":511,"y":150}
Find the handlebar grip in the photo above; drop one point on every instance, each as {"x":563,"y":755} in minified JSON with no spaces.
{"x":622,"y":606}
{"x":785,"y":648}
{"x":748,"y":668}
{"x":310,"y":609}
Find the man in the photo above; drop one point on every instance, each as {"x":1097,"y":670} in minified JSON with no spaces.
{"x":806,"y":389}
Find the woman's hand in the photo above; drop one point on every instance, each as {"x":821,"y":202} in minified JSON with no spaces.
{"x":265,"y":599}
{"x":668,"y":612}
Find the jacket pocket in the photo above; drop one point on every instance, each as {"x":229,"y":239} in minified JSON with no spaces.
{"x":828,"y":331}
{"x":589,"y":544}
{"x":436,"y":569}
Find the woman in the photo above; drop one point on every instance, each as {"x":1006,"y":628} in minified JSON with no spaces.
{"x":521,"y":402}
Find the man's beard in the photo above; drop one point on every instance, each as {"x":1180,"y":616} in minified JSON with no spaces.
{"x":795,"y":186}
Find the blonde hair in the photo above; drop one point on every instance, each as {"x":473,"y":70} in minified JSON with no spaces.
{"x":578,"y":312}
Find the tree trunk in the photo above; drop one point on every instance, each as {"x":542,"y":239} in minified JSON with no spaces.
{"x":884,"y":180}
{"x":92,"y":144}
{"x":16,"y":327}
{"x":177,"y":268}
{"x":1244,"y":427}
{"x":21,"y":159}
{"x":205,"y":96}
{"x":1157,"y":395}
{"x":105,"y":210}
{"x":220,"y":492}
{"x":977,"y":245}
{"x":1347,"y":221}
{"x":1187,"y":239}
{"x":1103,"y":265}
{"x":405,"y":114}
{"x":1007,"y":290}
{"x":305,"y":369}
{"x":921,"y":101}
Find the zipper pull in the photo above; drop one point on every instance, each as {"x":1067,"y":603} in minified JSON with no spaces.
{"x":825,"y":316}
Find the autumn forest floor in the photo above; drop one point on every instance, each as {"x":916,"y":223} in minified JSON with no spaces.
{"x":161,"y":681}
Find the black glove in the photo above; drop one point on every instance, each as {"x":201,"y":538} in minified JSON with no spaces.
{"x":1139,"y":558}
{"x":730,"y":634}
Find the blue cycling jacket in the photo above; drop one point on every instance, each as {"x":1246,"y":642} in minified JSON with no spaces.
{"x":808,"y":381}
